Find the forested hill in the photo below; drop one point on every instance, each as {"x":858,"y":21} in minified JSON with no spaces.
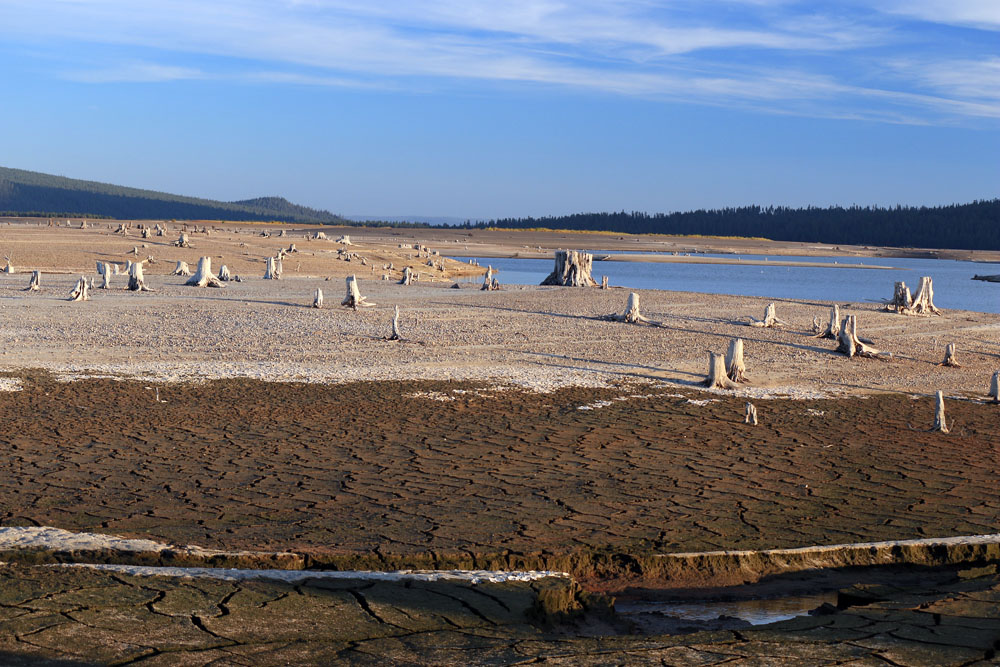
{"x":32,"y":193}
{"x":974,"y":226}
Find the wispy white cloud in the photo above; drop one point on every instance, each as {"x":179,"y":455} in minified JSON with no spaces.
{"x":783,"y":56}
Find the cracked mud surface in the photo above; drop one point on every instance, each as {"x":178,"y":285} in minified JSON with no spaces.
{"x":382,"y":471}
{"x":61,"y":616}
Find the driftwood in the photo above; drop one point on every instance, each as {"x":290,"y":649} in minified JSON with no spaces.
{"x":407,"y":276}
{"x":770,"y":319}
{"x":717,"y":378}
{"x":572,"y":269}
{"x":81,"y":292}
{"x":989,"y":279}
{"x":182,"y":269}
{"x":631,"y":314}
{"x":182,"y":241}
{"x":224,"y":274}
{"x":921,"y":303}
{"x":750,"y":414}
{"x":36,"y":281}
{"x":940,"y":421}
{"x":735,"y":366}
{"x":833,"y":327}
{"x":851,"y":345}
{"x":318,"y":298}
{"x":949,"y":357}
{"x":395,"y":335}
{"x":204,"y":277}
{"x":995,"y":387}
{"x":354,"y":299}
{"x":273,"y":270}
{"x":136,"y":281}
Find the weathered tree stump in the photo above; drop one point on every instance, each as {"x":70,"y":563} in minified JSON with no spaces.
{"x":224,"y":274}
{"x":407,"y":276}
{"x":632,"y":315}
{"x":36,"y":281}
{"x":995,"y":387}
{"x":490,"y":283}
{"x":833,"y":327}
{"x":851,"y":345}
{"x":181,"y":269}
{"x":345,"y":239}
{"x":291,"y":248}
{"x":921,"y":303}
{"x":354,"y":299}
{"x":750,"y":414}
{"x":572,"y":269}
{"x":717,"y":378}
{"x":949,"y":357}
{"x":204,"y":277}
{"x":105,"y":271}
{"x":735,"y":367}
{"x":604,"y":282}
{"x":317,"y":298}
{"x":81,"y":292}
{"x":395,"y":335}
{"x":182,"y":241}
{"x":319,"y":236}
{"x":9,"y":268}
{"x":146,"y":232}
{"x":770,"y":319}
{"x":122,"y":229}
{"x":136,"y":280}
{"x":940,"y":422}
{"x":273,"y":269}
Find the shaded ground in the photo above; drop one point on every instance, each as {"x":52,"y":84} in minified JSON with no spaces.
{"x":385,"y":475}
{"x":58,"y":616}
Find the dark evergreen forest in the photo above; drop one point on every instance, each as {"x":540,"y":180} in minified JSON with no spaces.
{"x":974,"y":226}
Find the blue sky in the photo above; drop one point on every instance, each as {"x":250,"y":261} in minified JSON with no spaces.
{"x":482,"y":109}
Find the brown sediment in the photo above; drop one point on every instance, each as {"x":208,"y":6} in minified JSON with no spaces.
{"x":383,"y":476}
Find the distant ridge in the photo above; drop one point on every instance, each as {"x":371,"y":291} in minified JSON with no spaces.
{"x":30,"y":193}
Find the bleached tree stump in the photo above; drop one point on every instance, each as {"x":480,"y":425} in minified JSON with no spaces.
{"x":921,"y":303}
{"x":224,"y":274}
{"x":750,"y":414}
{"x":9,"y":268}
{"x":572,"y":269}
{"x":182,"y":241}
{"x":182,"y":269}
{"x":833,"y":327}
{"x":735,"y":367}
{"x":604,"y":282}
{"x":317,"y":298}
{"x":923,"y":300}
{"x":273,"y":269}
{"x":346,"y":240}
{"x":949,"y":357}
{"x":770,"y":319}
{"x":632,"y":315}
{"x":395,"y":335}
{"x":940,"y":421}
{"x":161,"y":230}
{"x":281,"y":233}
{"x":319,"y":236}
{"x":146,"y":232}
{"x":407,"y":276}
{"x":83,"y":224}
{"x":354,"y":299}
{"x":81,"y":292}
{"x":36,"y":281}
{"x":136,"y":280}
{"x":122,"y":229}
{"x":717,"y":378}
{"x":291,"y":247}
{"x":105,"y":271}
{"x":851,"y":345}
{"x":490,"y":283}
{"x":995,"y":387}
{"x":204,"y":277}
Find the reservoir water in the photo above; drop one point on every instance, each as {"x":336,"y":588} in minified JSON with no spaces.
{"x":953,"y":284}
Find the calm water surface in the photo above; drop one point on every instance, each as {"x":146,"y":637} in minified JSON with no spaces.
{"x":953,"y":284}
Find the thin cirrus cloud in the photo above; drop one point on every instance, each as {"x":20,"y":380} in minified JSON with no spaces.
{"x":782,"y":56}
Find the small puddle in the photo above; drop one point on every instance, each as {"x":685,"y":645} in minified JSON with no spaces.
{"x":696,"y":615}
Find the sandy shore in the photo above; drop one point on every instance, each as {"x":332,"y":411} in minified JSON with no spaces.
{"x":539,"y":337}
